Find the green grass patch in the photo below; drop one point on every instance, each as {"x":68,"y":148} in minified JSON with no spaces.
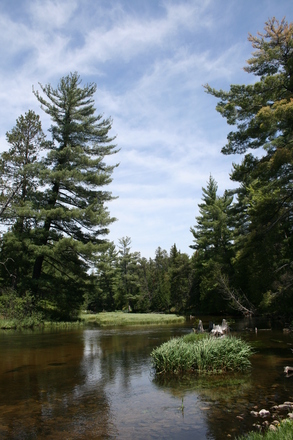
{"x":202,"y":354}
{"x":63,"y":324}
{"x":105,"y":319}
{"x":284,"y":432}
{"x":120,"y":318}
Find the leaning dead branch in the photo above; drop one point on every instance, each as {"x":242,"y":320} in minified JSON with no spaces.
{"x":237,"y":302}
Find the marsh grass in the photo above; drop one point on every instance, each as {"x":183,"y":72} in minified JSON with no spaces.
{"x":202,"y":354}
{"x":284,"y":432}
{"x":63,"y":324}
{"x":14,"y":323}
{"x":105,"y":319}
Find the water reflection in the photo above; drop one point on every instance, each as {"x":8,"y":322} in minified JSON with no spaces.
{"x":99,"y":384}
{"x":44,"y":393}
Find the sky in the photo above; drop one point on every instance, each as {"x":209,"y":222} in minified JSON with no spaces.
{"x":150,"y":60}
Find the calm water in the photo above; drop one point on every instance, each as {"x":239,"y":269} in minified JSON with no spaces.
{"x":99,"y":384}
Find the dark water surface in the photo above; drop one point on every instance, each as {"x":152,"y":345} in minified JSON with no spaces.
{"x":99,"y":384}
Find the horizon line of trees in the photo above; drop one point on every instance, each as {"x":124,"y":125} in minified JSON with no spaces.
{"x":53,"y":204}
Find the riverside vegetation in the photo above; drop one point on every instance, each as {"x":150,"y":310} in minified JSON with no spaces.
{"x":284,"y":431}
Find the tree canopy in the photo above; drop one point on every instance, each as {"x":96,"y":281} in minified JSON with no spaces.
{"x":57,"y":204}
{"x":261,"y":114}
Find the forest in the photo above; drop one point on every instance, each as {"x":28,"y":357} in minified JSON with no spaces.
{"x":54,"y":252}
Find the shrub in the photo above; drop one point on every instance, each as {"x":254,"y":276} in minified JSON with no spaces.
{"x":18,"y":310}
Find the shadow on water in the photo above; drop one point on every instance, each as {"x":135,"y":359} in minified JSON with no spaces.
{"x":99,"y":384}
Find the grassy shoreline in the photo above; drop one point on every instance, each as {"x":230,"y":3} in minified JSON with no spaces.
{"x":283,"y":432}
{"x":104,"y":319}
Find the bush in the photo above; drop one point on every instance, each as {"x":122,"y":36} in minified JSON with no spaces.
{"x":202,"y":355}
{"x":17,"y":310}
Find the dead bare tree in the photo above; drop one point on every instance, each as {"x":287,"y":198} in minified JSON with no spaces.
{"x":237,"y":302}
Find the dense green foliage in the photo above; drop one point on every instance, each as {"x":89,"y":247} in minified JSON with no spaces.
{"x":261,"y":116}
{"x":200,"y":354}
{"x":53,"y":205}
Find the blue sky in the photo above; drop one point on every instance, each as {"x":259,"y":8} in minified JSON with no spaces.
{"x":150,"y":60}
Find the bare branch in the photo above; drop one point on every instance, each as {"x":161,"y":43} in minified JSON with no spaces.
{"x":236,"y":301}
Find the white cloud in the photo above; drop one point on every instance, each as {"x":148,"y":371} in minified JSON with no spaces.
{"x":130,"y":35}
{"x":50,"y":15}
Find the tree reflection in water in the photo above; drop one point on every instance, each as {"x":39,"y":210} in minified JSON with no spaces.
{"x":99,"y":384}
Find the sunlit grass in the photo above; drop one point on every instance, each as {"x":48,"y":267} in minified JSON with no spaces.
{"x":284,"y":432}
{"x":100,"y":319}
{"x":199,"y":354}
{"x":63,"y":324}
{"x":9,"y":324}
{"x":120,"y":318}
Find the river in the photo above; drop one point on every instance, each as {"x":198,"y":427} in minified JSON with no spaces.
{"x":96,"y":383}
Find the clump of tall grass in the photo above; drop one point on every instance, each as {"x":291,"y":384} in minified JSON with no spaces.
{"x":284,"y":432}
{"x":202,"y":355}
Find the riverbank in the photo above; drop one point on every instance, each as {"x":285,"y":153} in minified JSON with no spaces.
{"x":104,"y":319}
{"x":281,"y":431}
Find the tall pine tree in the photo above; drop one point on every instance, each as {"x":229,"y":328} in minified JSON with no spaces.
{"x":261,"y":114}
{"x":213,"y":244}
{"x":20,"y":194}
{"x":73,"y":219}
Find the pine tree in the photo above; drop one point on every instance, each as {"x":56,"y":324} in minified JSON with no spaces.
{"x":128,"y":291}
{"x":20,"y":193}
{"x":20,"y":166}
{"x":160,"y":281}
{"x":261,"y":114}
{"x":180,"y":276}
{"x":213,"y":244}
{"x":73,"y":219}
{"x":106,"y":281}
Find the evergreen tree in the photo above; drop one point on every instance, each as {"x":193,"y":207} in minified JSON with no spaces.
{"x":213,"y":244}
{"x":128,"y":291}
{"x":145,"y":278}
{"x":160,"y":281}
{"x":262,"y":115}
{"x":107,"y":277}
{"x":73,"y":218}
{"x":20,"y":194}
{"x":180,"y":276}
{"x":19,"y":169}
